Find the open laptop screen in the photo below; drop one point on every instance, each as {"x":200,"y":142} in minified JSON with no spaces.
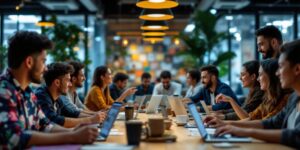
{"x":110,"y":119}
{"x":193,"y":110}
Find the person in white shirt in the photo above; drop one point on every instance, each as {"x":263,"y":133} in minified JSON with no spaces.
{"x":193,"y":80}
{"x":166,"y":86}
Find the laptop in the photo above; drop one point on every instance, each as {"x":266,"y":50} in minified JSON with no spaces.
{"x":210,"y":138}
{"x":207,"y":112}
{"x":140,"y":102}
{"x":165,"y":101}
{"x":109,"y":121}
{"x":177,"y":105}
{"x":153,"y":104}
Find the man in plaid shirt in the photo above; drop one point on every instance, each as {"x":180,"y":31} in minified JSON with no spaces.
{"x":22,"y":123}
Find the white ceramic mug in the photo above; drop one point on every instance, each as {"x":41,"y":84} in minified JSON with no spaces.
{"x":180,"y":119}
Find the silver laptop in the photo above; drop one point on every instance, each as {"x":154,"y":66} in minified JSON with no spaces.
{"x":140,"y":101}
{"x":205,"y":107}
{"x":177,"y":105}
{"x":109,"y":121}
{"x":210,"y":137}
{"x":153,"y":104}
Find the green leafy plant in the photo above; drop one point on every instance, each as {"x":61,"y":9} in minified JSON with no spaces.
{"x":201,"y":42}
{"x":66,"y":38}
{"x":113,"y":48}
{"x":3,"y":58}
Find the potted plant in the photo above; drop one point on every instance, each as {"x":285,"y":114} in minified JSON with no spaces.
{"x":66,"y":38}
{"x":203,"y":39}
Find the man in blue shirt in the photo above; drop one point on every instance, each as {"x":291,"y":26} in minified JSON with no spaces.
{"x":119,"y":85}
{"x":212,"y":87}
{"x":57,"y":79}
{"x":146,"y":88}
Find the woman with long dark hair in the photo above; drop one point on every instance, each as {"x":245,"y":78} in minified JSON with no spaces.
{"x":248,"y":77}
{"x":283,"y":128}
{"x":98,"y":97}
{"x":274,"y":98}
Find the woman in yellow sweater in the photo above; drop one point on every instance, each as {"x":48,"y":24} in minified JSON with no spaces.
{"x":98,"y":97}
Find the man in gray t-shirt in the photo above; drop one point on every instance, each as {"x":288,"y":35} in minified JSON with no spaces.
{"x":167,"y":87}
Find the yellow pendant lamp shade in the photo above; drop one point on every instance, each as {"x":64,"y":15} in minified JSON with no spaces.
{"x":153,"y":38}
{"x":157,"y":4}
{"x":153,"y":33}
{"x":45,"y":23}
{"x":154,"y":25}
{"x":156,"y":14}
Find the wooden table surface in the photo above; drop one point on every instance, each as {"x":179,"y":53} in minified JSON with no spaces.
{"x":186,"y":142}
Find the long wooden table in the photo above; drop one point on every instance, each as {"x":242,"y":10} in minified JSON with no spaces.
{"x":186,"y":142}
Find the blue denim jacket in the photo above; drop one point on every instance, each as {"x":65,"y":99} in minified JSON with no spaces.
{"x":204,"y":94}
{"x":63,"y":109}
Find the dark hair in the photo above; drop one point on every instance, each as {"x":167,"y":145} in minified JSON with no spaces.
{"x":165,"y":74}
{"x":274,"y":93}
{"x":56,"y":70}
{"x":120,"y":77}
{"x":146,"y":75}
{"x":269,"y":32}
{"x":24,"y":44}
{"x":252,"y":67}
{"x":211,"y":69}
{"x":77,"y":67}
{"x":195,"y":74}
{"x":291,"y":51}
{"x":99,"y":71}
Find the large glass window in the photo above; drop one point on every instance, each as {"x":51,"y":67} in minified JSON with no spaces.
{"x":13,"y":23}
{"x":242,"y":41}
{"x":283,"y":22}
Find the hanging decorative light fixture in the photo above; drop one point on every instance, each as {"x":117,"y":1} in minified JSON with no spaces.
{"x":44,"y":23}
{"x":156,"y":14}
{"x":156,"y":38}
{"x":157,"y":4}
{"x":153,"y":33}
{"x":154,"y":25}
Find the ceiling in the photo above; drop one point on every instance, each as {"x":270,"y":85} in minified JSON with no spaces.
{"x":122,"y":15}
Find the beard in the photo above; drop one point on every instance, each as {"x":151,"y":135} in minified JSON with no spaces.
{"x":62,"y":91}
{"x":78,"y":85}
{"x":208,"y":85}
{"x":270,"y":52}
{"x":34,"y":76}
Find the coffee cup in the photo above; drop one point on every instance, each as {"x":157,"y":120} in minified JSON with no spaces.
{"x":168,"y":124}
{"x":129,"y":112}
{"x":182,"y":119}
{"x":133,"y":132}
{"x":156,"y":127}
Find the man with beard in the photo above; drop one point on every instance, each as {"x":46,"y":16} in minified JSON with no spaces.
{"x":284,"y":127}
{"x":167,"y":87}
{"x":146,"y":87}
{"x":119,"y":85}
{"x":22,"y":122}
{"x":269,"y":40}
{"x":57,"y":79}
{"x":72,"y":99}
{"x":212,"y":87}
